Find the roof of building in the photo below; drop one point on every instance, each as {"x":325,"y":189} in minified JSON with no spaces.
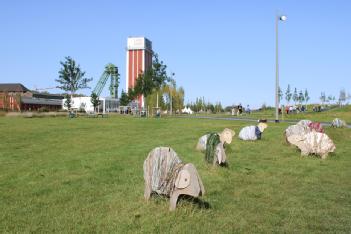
{"x":12,"y":87}
{"x":41,"y":101}
{"x":17,"y":87}
{"x":47,"y":95}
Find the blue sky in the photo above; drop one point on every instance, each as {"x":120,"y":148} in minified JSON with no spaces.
{"x":222,"y":50}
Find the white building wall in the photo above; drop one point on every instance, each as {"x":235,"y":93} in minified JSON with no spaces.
{"x":81,"y":102}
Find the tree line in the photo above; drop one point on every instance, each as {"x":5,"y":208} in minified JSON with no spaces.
{"x":200,"y":105}
{"x":300,"y":97}
{"x":343,"y":97}
{"x":295,"y":96}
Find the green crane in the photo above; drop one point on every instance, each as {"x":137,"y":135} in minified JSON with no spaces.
{"x":111,"y":71}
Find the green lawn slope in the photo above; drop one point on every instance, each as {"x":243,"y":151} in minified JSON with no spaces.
{"x":86,"y":175}
{"x":324,"y":116}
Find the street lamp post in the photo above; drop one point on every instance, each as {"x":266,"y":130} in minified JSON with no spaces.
{"x":277,"y":19}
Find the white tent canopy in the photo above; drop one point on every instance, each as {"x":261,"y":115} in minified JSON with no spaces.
{"x":187,"y":110}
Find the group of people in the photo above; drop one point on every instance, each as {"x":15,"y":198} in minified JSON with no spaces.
{"x":239,"y":109}
{"x":294,"y":109}
{"x":318,"y":108}
{"x":302,"y":108}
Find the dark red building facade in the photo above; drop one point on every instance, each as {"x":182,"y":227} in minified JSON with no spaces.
{"x":16,"y":97}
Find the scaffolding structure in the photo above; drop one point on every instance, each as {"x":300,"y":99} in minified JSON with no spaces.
{"x":111,"y":71}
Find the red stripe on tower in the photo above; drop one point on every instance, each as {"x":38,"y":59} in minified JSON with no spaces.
{"x":139,"y":59}
{"x":130,"y":69}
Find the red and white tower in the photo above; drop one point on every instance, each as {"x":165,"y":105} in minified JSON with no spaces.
{"x":139,"y":59}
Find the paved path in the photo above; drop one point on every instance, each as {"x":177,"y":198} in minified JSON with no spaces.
{"x":248,"y":119}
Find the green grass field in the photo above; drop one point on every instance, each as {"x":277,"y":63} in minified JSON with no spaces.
{"x":326,"y":116}
{"x":86,"y":175}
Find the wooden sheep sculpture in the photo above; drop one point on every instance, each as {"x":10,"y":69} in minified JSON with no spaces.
{"x":316,"y":143}
{"x":338,"y":123}
{"x":252,"y":133}
{"x":213,"y":146}
{"x":296,"y":133}
{"x":165,"y":174}
{"x":309,"y":140}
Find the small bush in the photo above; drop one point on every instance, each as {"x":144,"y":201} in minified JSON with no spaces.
{"x":43,"y":109}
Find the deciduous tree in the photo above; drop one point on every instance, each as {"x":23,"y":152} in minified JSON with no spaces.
{"x":94,"y":99}
{"x":280,"y":94}
{"x":288,"y":94}
{"x":342,"y":96}
{"x":68,"y":102}
{"x":124,"y":100}
{"x":71,"y":77}
{"x":295,"y":96}
{"x":322,"y":97}
{"x":152,"y":79}
{"x":301,"y":97}
{"x":307,"y":97}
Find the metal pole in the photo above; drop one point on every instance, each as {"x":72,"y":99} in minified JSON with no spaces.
{"x":276,"y":71}
{"x":171,"y":103}
{"x":103,"y":107}
{"x":157,"y":100}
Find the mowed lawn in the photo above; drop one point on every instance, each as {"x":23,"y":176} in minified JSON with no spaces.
{"x":86,"y":175}
{"x":327,"y":116}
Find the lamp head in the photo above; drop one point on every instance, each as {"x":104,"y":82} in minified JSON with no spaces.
{"x":283,"y":18}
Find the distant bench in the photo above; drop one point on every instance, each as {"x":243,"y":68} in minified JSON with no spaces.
{"x":96,"y":115}
{"x":102,"y":115}
{"x":72,"y":115}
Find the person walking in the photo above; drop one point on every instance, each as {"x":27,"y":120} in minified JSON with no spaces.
{"x":248,"y":110}
{"x":240,"y":108}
